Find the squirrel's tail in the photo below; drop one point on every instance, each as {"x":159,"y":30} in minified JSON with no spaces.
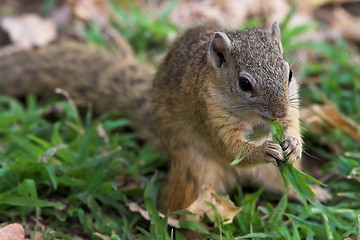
{"x":90,"y":75}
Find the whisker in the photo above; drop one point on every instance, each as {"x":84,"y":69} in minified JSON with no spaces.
{"x":294,"y":103}
{"x":294,"y":100}
{"x":237,"y":106}
{"x":321,"y":160}
{"x":293,"y":96}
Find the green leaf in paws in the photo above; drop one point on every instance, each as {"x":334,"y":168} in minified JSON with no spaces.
{"x":298,"y":179}
{"x":277,"y":131}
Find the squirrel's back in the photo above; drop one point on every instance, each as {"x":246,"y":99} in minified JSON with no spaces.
{"x":89,"y":74}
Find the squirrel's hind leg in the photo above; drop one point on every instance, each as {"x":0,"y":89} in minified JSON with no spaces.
{"x":190,"y":171}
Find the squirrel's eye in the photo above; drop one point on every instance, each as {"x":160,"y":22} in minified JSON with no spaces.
{"x":290,"y":75}
{"x":245,"y":84}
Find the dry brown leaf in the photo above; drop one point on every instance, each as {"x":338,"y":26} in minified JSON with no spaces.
{"x":316,"y":116}
{"x":101,"y":236}
{"x":29,"y":30}
{"x":102,"y":133}
{"x":38,"y":236}
{"x":357,"y":178}
{"x":96,"y":10}
{"x":310,"y":5}
{"x":225,"y":207}
{"x":100,"y":12}
{"x":134,"y":207}
{"x":61,"y":16}
{"x":231,"y":13}
{"x":13,"y":231}
{"x":346,"y":24}
{"x":354,"y":174}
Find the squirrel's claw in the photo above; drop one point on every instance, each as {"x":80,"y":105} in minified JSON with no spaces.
{"x":292,"y":149}
{"x":273,"y":152}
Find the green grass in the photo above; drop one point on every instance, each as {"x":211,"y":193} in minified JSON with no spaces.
{"x":66,"y":171}
{"x":61,"y":175}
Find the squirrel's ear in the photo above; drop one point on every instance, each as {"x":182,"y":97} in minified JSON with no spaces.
{"x":275,"y":32}
{"x":219,"y":50}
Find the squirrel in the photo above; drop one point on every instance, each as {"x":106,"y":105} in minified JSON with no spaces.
{"x":215,"y":90}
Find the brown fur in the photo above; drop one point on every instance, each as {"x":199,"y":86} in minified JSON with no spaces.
{"x":204,"y":121}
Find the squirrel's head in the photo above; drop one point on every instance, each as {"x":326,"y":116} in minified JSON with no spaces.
{"x":256,"y":76}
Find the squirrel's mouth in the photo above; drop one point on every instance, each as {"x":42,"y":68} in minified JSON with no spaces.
{"x":268,"y":116}
{"x":264,"y":115}
{"x":259,"y":131}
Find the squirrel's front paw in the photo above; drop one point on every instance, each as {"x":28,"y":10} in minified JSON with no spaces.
{"x":273,"y":152}
{"x":292,"y":149}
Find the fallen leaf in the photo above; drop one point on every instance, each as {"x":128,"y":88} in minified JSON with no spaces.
{"x":102,"y":133}
{"x":357,"y":178}
{"x":38,"y":236}
{"x":354,"y":174}
{"x":346,"y":24}
{"x":101,"y":236}
{"x":100,"y":12}
{"x":61,"y":16}
{"x":225,"y":207}
{"x":316,"y":116}
{"x":310,"y":5}
{"x":96,"y":10}
{"x":29,"y":30}
{"x":231,"y":13}
{"x":134,"y":207}
{"x":13,"y":231}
